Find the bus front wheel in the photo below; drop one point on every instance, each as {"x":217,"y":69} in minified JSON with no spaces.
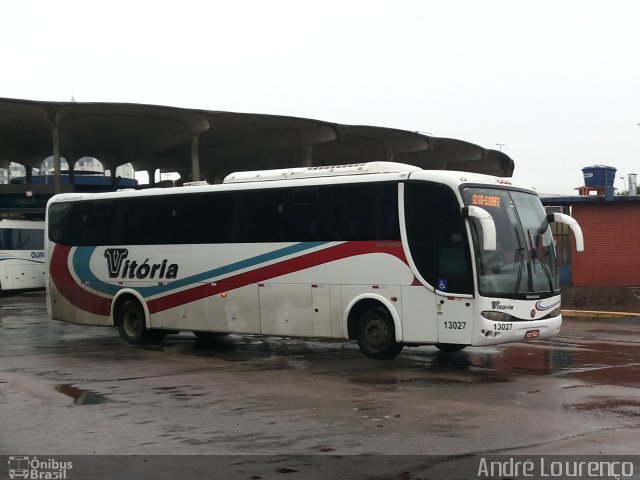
{"x":131,"y":324}
{"x":376,"y":334}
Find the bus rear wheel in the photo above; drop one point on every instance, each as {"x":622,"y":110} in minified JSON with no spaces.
{"x":376,"y":334}
{"x":132,"y":326}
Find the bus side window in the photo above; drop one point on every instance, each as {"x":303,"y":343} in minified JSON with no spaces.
{"x":185,"y":219}
{"x":221,"y":208}
{"x":31,"y":239}
{"x":99,"y":223}
{"x":258,"y":217}
{"x":148,"y":220}
{"x":300,"y":215}
{"x":386,"y":220}
{"x":358,"y":212}
{"x":6,"y":239}
{"x":200,"y":218}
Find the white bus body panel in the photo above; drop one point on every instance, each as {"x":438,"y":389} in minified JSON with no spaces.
{"x":20,"y":268}
{"x":235,"y":311}
{"x":455,"y":319}
{"x":310,"y":301}
{"x":419,"y":307}
{"x":285,"y":309}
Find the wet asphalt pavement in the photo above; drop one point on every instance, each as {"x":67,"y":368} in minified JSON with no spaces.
{"x":67,"y":389}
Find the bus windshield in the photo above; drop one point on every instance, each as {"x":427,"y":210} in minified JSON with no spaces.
{"x":524,"y":263}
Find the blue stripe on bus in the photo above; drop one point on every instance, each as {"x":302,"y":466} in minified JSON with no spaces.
{"x":40,"y":262}
{"x":82,"y":256}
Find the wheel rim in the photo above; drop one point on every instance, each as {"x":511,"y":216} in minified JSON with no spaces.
{"x":132,"y":323}
{"x":377,"y":333}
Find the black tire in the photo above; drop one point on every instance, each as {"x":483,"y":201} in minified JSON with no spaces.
{"x":450,"y":347}
{"x":131,"y":324}
{"x":376,"y":334}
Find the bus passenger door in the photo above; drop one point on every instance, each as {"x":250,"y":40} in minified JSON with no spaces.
{"x":455,"y":315}
{"x":454,"y":278}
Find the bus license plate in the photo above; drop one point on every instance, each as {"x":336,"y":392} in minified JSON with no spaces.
{"x":532,"y":334}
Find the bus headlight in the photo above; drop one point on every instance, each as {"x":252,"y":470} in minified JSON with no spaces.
{"x":496,"y":316}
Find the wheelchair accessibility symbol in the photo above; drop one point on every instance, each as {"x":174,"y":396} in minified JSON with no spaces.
{"x":442,"y":284}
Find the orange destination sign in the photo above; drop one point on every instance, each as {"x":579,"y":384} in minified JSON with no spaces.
{"x":486,"y":200}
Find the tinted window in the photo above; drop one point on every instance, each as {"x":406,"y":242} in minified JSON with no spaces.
{"x":72,"y":223}
{"x":21,"y":239}
{"x":144,"y":221}
{"x":437,"y":237}
{"x":323,"y":213}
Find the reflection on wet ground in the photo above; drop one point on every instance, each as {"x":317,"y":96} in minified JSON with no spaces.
{"x":313,"y":395}
{"x":81,"y":396}
{"x":589,"y":361}
{"x":586,"y":359}
{"x":619,"y":406}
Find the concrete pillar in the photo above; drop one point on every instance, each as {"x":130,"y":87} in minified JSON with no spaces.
{"x":71,"y":165}
{"x":29,"y":171}
{"x":57,"y":182}
{"x":195,"y":158}
{"x":152,"y":177}
{"x":307,"y":156}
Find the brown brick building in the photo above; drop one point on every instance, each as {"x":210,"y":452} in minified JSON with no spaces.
{"x":611,"y":229}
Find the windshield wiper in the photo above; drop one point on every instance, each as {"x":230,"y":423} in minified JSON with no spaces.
{"x":520,"y":259}
{"x":535,"y":254}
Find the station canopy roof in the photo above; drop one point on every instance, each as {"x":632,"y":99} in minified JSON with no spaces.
{"x":215,"y":143}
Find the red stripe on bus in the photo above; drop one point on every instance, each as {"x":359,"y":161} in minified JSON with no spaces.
{"x":296,"y":264}
{"x":69,"y":288}
{"x":96,"y":304}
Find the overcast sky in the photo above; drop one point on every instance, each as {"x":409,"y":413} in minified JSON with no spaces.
{"x":557,"y":82}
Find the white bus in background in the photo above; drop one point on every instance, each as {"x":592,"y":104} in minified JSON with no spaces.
{"x":383,"y":253}
{"x":22,"y":264}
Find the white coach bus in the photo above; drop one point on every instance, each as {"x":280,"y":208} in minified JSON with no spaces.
{"x":22,"y":263}
{"x":384,"y":253}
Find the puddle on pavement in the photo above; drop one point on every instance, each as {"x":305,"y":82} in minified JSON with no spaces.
{"x":611,"y":363}
{"x":81,"y":396}
{"x":609,"y":405}
{"x":600,"y":363}
{"x":181,"y":393}
{"x":247,"y":348}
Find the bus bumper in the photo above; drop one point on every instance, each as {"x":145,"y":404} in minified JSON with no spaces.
{"x":489,"y":332}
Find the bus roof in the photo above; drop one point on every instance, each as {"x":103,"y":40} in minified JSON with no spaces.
{"x":310,"y":176}
{"x":315,"y":172}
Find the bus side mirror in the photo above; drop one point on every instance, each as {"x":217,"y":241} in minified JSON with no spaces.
{"x":486,"y":223}
{"x":573,"y":224}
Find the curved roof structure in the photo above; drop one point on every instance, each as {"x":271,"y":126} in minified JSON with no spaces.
{"x":210,"y":144}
